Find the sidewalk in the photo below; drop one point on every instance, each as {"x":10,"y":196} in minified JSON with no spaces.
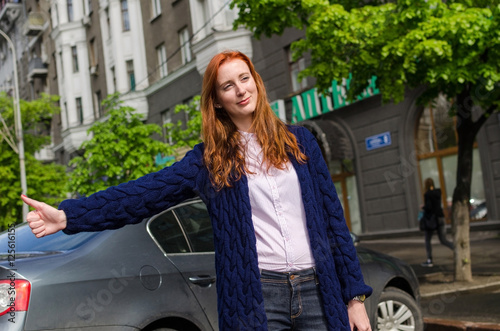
{"x":449,"y":305}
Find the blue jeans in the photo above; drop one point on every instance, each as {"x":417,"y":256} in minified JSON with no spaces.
{"x":292,"y":300}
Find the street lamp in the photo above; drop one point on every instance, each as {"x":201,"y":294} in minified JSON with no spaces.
{"x":18,"y":125}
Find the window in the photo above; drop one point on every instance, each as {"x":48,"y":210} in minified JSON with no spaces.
{"x":436,"y":147}
{"x":162,"y":60}
{"x":98,"y":104}
{"x":295,"y":67}
{"x":185,"y":45}
{"x":93,"y":53}
{"x":195,"y":220}
{"x":54,"y":61}
{"x":113,"y":77}
{"x":186,"y":229}
{"x":168,"y":234}
{"x":155,"y":8}
{"x":108,"y":22}
{"x":166,"y":118}
{"x":130,"y":74}
{"x":344,"y":178}
{"x":69,"y":4}
{"x":74,"y":55}
{"x":61,"y":64}
{"x":79,"y":110}
{"x":88,"y":7}
{"x":125,"y":16}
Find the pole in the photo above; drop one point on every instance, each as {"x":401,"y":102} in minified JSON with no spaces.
{"x":18,"y":125}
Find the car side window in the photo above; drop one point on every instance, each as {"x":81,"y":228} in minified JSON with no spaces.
{"x":168,"y":234}
{"x":196,"y":222}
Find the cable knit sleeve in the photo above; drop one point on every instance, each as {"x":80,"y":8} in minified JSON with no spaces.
{"x":343,"y":250}
{"x":135,"y":200}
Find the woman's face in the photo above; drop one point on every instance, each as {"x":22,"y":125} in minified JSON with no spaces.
{"x":237,"y":93}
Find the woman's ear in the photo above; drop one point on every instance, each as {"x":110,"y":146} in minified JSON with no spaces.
{"x":217,"y":105}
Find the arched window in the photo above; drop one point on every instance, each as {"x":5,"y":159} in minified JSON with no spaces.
{"x":338,"y":153}
{"x":436,"y":147}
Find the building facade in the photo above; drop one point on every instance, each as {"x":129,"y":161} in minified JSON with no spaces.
{"x":154,"y":53}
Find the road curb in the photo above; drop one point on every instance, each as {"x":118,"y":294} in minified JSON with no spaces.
{"x":435,"y":324}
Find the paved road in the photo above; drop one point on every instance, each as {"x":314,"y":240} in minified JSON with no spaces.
{"x":443,"y":298}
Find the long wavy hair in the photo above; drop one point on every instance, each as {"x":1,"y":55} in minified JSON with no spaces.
{"x":224,"y":156}
{"x":429,"y":184}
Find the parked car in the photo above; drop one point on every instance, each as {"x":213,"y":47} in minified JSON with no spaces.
{"x":155,"y":275}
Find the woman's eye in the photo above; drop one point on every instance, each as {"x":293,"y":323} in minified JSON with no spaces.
{"x":227,"y":86}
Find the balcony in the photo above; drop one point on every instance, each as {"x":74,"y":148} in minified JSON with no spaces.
{"x":9,"y":12}
{"x":37,"y":69}
{"x":34,"y":24}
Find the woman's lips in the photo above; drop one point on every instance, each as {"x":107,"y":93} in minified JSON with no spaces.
{"x":244,"y":101}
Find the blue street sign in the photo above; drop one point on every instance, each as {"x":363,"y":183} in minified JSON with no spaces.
{"x":377,"y":141}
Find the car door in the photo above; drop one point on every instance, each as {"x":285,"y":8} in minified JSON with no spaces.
{"x":186,"y":237}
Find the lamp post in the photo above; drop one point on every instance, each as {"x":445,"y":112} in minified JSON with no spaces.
{"x":18,"y":125}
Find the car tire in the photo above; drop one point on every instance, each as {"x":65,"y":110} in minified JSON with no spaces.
{"x":397,"y":308}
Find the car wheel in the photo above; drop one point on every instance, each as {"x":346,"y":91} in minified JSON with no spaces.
{"x":397,"y":310}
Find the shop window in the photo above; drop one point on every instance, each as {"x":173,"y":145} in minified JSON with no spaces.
{"x":436,"y":147}
{"x":344,"y":178}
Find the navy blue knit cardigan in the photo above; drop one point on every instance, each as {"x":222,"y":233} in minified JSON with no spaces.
{"x":240,"y":302}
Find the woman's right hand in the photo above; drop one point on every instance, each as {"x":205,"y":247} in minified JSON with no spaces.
{"x":45,"y":219}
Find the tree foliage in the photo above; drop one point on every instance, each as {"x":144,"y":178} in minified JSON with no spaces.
{"x":186,"y":134}
{"x":441,"y":47}
{"x":122,"y":148}
{"x":45,"y":181}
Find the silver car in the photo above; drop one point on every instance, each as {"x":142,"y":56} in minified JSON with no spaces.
{"x":155,"y":275}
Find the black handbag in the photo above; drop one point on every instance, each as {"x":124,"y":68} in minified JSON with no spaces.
{"x":428,"y":222}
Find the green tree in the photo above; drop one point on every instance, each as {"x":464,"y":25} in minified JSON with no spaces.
{"x":442,"y":47}
{"x":186,"y":134}
{"x":46,"y":181}
{"x":122,"y":148}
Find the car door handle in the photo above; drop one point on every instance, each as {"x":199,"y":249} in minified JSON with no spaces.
{"x":202,"y":280}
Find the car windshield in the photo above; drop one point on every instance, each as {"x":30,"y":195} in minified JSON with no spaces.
{"x":25,"y":241}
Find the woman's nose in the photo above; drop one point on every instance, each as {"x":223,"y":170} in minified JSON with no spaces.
{"x":240,"y":90}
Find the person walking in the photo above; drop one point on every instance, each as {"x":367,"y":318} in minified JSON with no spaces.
{"x":284,"y":256}
{"x":433,"y":212}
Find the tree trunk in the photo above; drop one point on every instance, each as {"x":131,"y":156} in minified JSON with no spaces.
{"x":466,"y":131}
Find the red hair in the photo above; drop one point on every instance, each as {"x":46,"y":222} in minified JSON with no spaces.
{"x":223,"y":155}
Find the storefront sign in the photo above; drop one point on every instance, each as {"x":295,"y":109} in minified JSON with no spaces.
{"x":378,"y":141}
{"x":278,"y":106}
{"x":310,"y":103}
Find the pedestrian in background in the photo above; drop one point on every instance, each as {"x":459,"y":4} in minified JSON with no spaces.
{"x":284,"y":256}
{"x":434,"y":219}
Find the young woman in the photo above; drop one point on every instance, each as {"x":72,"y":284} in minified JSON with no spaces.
{"x":284,"y":256}
{"x":432,"y":206}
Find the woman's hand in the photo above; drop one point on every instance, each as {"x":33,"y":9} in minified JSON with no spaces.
{"x":358,"y":318}
{"x":45,"y":219}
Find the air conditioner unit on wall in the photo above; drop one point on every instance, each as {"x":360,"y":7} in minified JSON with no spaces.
{"x":93,"y":70}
